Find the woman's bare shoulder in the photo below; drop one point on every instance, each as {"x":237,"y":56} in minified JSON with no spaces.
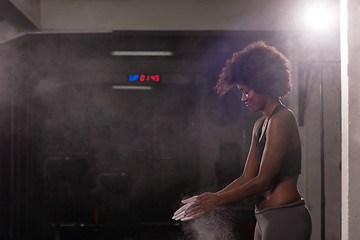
{"x":284,"y":122}
{"x":284,"y":116}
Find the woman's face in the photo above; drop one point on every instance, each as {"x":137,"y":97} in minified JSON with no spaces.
{"x":253,"y":100}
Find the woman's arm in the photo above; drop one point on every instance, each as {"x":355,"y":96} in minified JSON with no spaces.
{"x":250,"y":170}
{"x":251,"y":167}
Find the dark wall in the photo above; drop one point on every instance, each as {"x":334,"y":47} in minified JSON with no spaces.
{"x":74,"y":150}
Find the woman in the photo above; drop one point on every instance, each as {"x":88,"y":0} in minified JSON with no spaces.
{"x":262,"y":75}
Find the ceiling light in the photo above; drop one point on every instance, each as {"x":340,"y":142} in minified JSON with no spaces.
{"x":126,"y":87}
{"x":143,"y":53}
{"x":318,"y":16}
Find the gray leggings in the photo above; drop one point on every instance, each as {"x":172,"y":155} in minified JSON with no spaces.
{"x":290,"y":221}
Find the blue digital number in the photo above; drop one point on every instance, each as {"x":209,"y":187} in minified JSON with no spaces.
{"x":133,"y":77}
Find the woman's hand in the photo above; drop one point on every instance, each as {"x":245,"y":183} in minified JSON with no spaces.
{"x":180,"y":213}
{"x":197,"y":206}
{"x":204,"y":204}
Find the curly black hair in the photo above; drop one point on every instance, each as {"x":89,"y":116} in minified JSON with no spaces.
{"x":259,"y":67}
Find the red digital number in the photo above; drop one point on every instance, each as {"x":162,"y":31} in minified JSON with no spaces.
{"x":146,"y":77}
{"x":155,"y":78}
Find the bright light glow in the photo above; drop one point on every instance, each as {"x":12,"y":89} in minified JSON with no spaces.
{"x":143,"y":53}
{"x":126,"y":87}
{"x":319,"y":16}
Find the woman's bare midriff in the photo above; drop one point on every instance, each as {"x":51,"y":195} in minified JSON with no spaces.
{"x":283,"y":191}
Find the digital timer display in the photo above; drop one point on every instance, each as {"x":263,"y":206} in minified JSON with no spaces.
{"x":144,"y":77}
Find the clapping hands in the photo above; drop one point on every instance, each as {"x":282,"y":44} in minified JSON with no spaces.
{"x":196,"y":206}
{"x":179,"y":215}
